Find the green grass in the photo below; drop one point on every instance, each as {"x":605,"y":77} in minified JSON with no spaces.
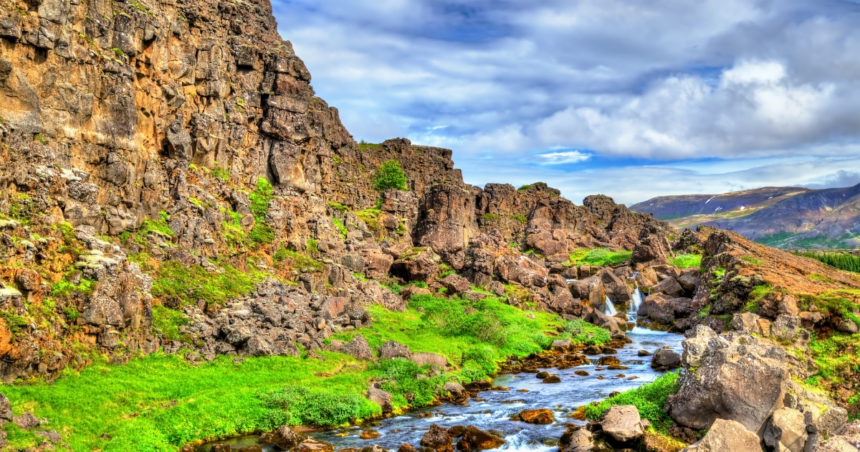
{"x":751,"y":260}
{"x":579,"y":330}
{"x":363,"y":146}
{"x":161,"y":402}
{"x":262,"y":232}
{"x":490,"y":217}
{"x":180,"y":285}
{"x":338,"y":206}
{"x":341,"y":229}
{"x":297,"y":261}
{"x":167,"y":321}
{"x":599,"y":257}
{"x":648,"y":399}
{"x":687,"y":261}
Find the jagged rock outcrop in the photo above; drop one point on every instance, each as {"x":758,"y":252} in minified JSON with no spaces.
{"x":737,"y":377}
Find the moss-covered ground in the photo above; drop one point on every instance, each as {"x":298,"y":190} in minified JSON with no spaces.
{"x":161,"y":402}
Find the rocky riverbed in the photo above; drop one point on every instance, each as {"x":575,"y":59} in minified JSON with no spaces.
{"x":493,"y":410}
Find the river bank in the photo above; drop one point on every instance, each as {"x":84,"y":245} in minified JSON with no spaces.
{"x":493,"y":410}
{"x":163,"y":402}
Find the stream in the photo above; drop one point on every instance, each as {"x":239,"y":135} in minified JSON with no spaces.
{"x":493,"y":409}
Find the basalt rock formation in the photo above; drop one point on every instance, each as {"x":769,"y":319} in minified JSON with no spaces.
{"x":152,"y":149}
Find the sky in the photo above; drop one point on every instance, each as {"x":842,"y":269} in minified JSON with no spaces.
{"x":628,"y":98}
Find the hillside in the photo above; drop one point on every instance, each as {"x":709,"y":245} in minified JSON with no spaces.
{"x":783,"y":217}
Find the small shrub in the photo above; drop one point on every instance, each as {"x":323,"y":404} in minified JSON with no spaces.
{"x":168,"y":321}
{"x":751,"y":260}
{"x":490,"y":217}
{"x":687,"y":261}
{"x":390,"y":176}
{"x":295,"y":405}
{"x":648,"y":399}
{"x":521,"y":218}
{"x":342,"y":230}
{"x":313,"y":246}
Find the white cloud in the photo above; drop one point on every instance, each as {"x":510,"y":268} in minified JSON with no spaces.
{"x":558,"y":158}
{"x":661,"y":80}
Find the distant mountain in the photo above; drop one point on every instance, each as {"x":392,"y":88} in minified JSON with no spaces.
{"x":783,"y":217}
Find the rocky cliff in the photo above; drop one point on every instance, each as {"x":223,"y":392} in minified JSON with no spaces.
{"x":163,"y":157}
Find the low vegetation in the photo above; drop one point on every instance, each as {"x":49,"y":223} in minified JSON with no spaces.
{"x":180,"y":285}
{"x":687,"y":261}
{"x":648,"y":399}
{"x":139,"y":406}
{"x":599,"y":257}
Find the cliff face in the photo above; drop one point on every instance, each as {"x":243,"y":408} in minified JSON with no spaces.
{"x":161,"y":159}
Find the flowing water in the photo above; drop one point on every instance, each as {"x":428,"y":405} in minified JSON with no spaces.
{"x":496,"y":408}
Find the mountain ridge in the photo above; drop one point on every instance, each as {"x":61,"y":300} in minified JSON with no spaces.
{"x":784,"y":217}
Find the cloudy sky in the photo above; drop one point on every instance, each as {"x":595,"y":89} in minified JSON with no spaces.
{"x":628,"y":98}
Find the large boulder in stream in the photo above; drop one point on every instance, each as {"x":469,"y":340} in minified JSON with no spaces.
{"x":576,"y":440}
{"x":622,"y":423}
{"x":476,"y":439}
{"x":438,"y":439}
{"x":735,"y":377}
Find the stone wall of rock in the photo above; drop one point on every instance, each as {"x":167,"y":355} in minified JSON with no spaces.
{"x":135,"y":135}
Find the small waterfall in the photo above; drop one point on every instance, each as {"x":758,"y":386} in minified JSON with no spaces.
{"x":609,"y":308}
{"x":635,"y":302}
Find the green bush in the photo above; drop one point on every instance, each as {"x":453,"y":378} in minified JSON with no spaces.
{"x":168,"y":322}
{"x":687,"y":261}
{"x":579,"y":330}
{"x":390,"y":175}
{"x":296,"y":405}
{"x":648,"y":399}
{"x":341,"y":229}
{"x":180,"y":285}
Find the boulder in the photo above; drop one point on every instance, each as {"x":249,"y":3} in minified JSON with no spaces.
{"x":5,"y":409}
{"x":665,"y":360}
{"x":725,"y":436}
{"x":312,"y":445}
{"x":456,"y":284}
{"x":438,"y":439}
{"x":357,"y":347}
{"x":381,"y":398}
{"x":561,"y":345}
{"x":616,"y":289}
{"x":622,"y":423}
{"x":746,"y":323}
{"x":26,"y":421}
{"x":394,"y":349}
{"x":429,"y":358}
{"x":456,"y":389}
{"x":576,"y":440}
{"x":283,"y":438}
{"x":735,"y":377}
{"x":786,"y":431}
{"x":668,"y":286}
{"x":541,"y":416}
{"x":847,"y":326}
{"x":475,"y":439}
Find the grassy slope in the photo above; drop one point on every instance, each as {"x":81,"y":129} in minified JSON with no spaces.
{"x":121,"y":408}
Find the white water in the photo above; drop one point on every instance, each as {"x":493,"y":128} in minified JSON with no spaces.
{"x":609,"y":308}
{"x":635,"y":302}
